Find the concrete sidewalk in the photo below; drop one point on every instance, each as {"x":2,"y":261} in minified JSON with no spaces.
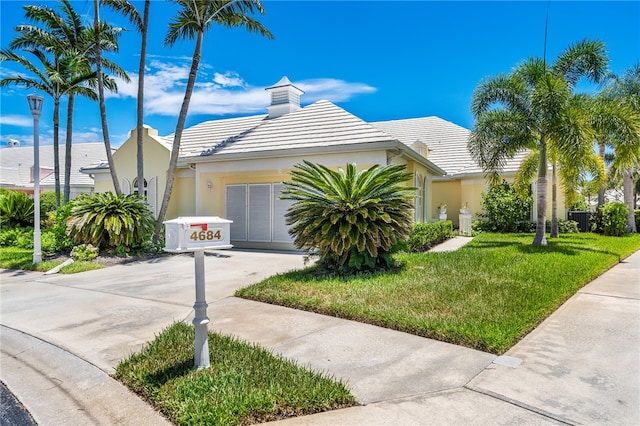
{"x":581,"y":366}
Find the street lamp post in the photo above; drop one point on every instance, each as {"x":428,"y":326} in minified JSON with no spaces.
{"x":35,"y":105}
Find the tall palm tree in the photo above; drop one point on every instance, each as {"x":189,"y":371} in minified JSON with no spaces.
{"x":569,"y":171}
{"x":46,"y":81}
{"x":529,"y":107}
{"x":70,"y":43}
{"x":126,"y":8}
{"x":622,"y":95}
{"x":101,"y":98}
{"x":142,"y":25}
{"x":194,"y":18}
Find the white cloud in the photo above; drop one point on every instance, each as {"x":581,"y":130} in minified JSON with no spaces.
{"x":224,"y":93}
{"x":228,"y":79}
{"x":331,"y":89}
{"x":16,"y":120}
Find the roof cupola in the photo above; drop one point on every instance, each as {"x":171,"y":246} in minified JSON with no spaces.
{"x":285,"y":98}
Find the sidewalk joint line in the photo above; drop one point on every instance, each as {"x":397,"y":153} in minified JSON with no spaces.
{"x":520,"y":405}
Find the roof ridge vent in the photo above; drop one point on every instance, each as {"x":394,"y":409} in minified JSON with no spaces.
{"x":285,"y":98}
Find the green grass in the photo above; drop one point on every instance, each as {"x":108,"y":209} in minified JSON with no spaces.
{"x":487,"y":295}
{"x":19,"y":258}
{"x":245,"y":384}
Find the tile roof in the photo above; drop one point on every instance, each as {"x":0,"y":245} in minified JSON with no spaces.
{"x":16,"y":164}
{"x":214,"y":133}
{"x":321,"y":124}
{"x":447,"y":143}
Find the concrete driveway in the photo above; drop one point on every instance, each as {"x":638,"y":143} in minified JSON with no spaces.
{"x":580,"y":366}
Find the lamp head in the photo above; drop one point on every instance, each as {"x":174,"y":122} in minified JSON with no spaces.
{"x":35,"y":104}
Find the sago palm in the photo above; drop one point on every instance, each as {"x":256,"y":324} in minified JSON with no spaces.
{"x":354,"y":220}
{"x":108,"y":221}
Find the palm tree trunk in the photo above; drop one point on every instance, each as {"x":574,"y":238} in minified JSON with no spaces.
{"x":175,"y":150}
{"x":540,"y":238}
{"x":67,"y":152}
{"x":140,"y":100}
{"x":56,"y":148}
{"x":601,"y":153}
{"x":555,"y":231}
{"x":103,"y":108}
{"x":627,"y":186}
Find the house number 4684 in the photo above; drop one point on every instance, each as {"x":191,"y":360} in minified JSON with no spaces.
{"x":205,"y":235}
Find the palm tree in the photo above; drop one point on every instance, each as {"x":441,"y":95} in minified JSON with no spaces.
{"x":570,"y":172}
{"x":101,"y":97}
{"x":142,"y":25}
{"x":622,"y":95}
{"x":70,"y":43}
{"x":46,"y":81}
{"x":193,"y":19}
{"x":354,"y":219}
{"x":530,"y":107}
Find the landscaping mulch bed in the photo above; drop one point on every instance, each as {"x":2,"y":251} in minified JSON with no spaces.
{"x":108,"y":259}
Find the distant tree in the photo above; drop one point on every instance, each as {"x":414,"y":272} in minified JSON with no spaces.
{"x":527,"y":108}
{"x":194,"y":18}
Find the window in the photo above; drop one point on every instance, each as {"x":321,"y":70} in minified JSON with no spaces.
{"x":418,"y":202}
{"x":144,"y":187}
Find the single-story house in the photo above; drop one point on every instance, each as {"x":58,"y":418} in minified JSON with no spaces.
{"x":16,"y":167}
{"x":234,"y":168}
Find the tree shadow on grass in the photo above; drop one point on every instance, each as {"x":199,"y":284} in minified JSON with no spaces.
{"x":577,"y":244}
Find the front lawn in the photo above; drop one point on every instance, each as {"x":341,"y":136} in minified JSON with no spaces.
{"x":244,"y":385}
{"x":487,"y":295}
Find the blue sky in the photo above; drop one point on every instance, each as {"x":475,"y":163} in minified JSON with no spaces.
{"x":380,"y":60}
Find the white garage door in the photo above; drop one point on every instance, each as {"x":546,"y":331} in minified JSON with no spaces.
{"x":257,"y":212}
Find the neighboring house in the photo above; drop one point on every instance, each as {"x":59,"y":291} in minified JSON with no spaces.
{"x":16,"y":167}
{"x":234,"y":168}
{"x":445,"y":144}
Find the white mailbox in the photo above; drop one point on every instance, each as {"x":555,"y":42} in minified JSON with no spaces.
{"x":197,"y":233}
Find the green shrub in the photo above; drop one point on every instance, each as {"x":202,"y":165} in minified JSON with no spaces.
{"x":49,"y":242}
{"x":564,"y":226}
{"x":47,"y":203}
{"x":108,"y":221}
{"x":25,"y":239}
{"x":84,"y":252}
{"x":122,"y":251}
{"x":354,"y":220}
{"x":56,"y":224}
{"x":423,"y":236}
{"x":614,"y":219}
{"x":8,"y":236}
{"x":16,"y":209}
{"x":504,"y":210}
{"x":568,"y":227}
{"x":636,"y":214}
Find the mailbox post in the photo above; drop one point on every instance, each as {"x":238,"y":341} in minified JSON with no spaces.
{"x":197,"y":234}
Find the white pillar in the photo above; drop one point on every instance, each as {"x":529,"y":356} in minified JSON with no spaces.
{"x":200,"y":321}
